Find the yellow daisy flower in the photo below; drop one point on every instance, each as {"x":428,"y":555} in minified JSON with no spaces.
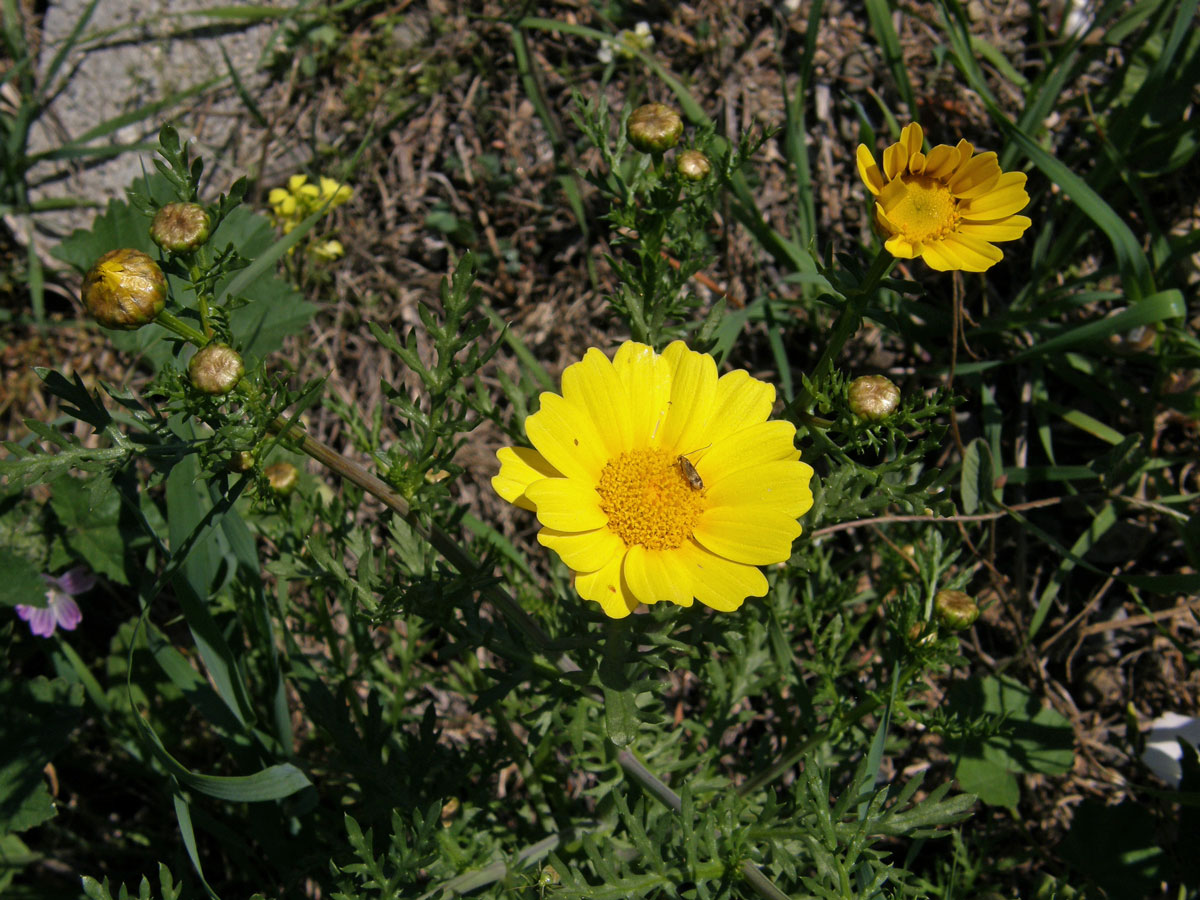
{"x":948,"y":207}
{"x":655,"y":480}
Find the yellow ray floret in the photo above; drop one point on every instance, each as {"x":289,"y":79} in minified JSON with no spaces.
{"x":949,"y":207}
{"x":656,"y":480}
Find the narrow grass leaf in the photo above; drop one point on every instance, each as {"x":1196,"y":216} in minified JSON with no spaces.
{"x":1096,"y":529}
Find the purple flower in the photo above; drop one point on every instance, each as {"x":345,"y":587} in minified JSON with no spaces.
{"x":61,"y":608}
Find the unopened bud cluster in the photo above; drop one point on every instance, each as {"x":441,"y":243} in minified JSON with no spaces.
{"x":216,"y":369}
{"x":873,"y":397}
{"x":283,"y":478}
{"x":655,"y":128}
{"x":180,"y":227}
{"x":125,"y":289}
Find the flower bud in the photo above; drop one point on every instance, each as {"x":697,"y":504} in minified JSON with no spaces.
{"x":873,"y":397}
{"x":125,"y":289}
{"x":242,"y":461}
{"x":955,"y":609}
{"x":216,"y":369}
{"x":654,"y":128}
{"x":692,"y":165}
{"x":180,"y":227}
{"x":283,"y":477}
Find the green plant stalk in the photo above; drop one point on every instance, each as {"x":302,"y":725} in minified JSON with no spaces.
{"x":860,"y":711}
{"x":762,"y":885}
{"x":173,"y":323}
{"x":851,"y":315}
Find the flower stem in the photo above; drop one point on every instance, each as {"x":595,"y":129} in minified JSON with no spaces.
{"x":851,"y":315}
{"x":173,"y":323}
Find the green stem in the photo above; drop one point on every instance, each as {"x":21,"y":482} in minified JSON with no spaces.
{"x":762,"y":885}
{"x":451,"y":550}
{"x":173,"y":323}
{"x":851,"y":315}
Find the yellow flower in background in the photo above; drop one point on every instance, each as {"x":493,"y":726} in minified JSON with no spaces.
{"x":328,"y":250}
{"x":949,"y":207}
{"x":293,"y":204}
{"x":657,"y":481}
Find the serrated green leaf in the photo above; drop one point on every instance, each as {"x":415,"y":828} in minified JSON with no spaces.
{"x":90,"y":515}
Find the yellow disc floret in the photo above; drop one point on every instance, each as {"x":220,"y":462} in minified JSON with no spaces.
{"x":925,"y":211}
{"x":648,"y":499}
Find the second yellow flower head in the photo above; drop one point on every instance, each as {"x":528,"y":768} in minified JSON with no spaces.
{"x":949,"y":207}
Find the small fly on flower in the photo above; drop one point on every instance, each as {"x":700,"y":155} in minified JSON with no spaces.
{"x":689,"y":471}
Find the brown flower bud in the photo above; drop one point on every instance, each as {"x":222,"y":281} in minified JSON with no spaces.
{"x":283,"y":477}
{"x":180,"y":227}
{"x":955,"y":609}
{"x":873,"y":397}
{"x":216,"y":369}
{"x":125,"y":289}
{"x":692,"y":165}
{"x":654,"y":128}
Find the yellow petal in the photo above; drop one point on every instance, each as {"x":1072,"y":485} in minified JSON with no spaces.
{"x":566,"y":505}
{"x":968,"y":253}
{"x":753,"y":446}
{"x":781,"y":486}
{"x":895,"y":161}
{"x":592,"y":385}
{"x":912,"y":137}
{"x":658,"y":576}
{"x":1006,"y":197}
{"x":608,"y":588}
{"x":296,"y":182}
{"x":752,"y":535}
{"x":942,"y":160}
{"x":567,"y":437}
{"x":720,"y":583}
{"x":693,"y":397}
{"x":916,"y":164}
{"x":1002,"y":230}
{"x":965,"y":151}
{"x":901,"y":247}
{"x":584,"y":551}
{"x":868,"y":170}
{"x":519,"y":468}
{"x":647,"y":381}
{"x":976,"y":178}
{"x":741,"y":401}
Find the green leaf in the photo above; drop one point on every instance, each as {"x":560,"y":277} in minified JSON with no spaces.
{"x":620,"y":716}
{"x":36,"y":720}
{"x":90,"y":512}
{"x":990,"y":781}
{"x":22,"y":581}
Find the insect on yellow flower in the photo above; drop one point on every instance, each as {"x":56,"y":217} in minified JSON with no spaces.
{"x":637,"y":513}
{"x":949,"y":207}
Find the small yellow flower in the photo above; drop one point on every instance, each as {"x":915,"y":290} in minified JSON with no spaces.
{"x":947,"y":207}
{"x":328,"y":250}
{"x":296,"y":182}
{"x":657,"y":481}
{"x":335,"y":193}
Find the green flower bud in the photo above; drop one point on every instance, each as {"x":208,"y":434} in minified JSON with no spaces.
{"x":242,"y":461}
{"x":654,"y":128}
{"x":125,"y":289}
{"x":283,"y":477}
{"x":216,"y":369}
{"x":180,"y":227}
{"x":873,"y":397}
{"x":692,"y":165}
{"x":955,"y":609}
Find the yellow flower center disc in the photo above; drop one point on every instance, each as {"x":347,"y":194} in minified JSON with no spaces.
{"x":926,"y":210}
{"x":648,"y":499}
